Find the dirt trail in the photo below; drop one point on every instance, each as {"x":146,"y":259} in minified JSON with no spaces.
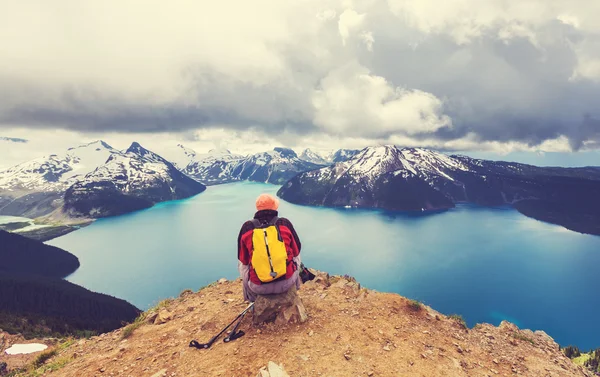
{"x":350,"y":332}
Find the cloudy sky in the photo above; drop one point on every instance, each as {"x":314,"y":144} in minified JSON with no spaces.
{"x":494,"y":76}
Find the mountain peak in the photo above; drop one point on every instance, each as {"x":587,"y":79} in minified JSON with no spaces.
{"x":135,"y":147}
{"x":96,"y":143}
{"x":215,"y":151}
{"x":285,"y":152}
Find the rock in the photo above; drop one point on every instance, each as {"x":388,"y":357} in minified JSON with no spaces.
{"x":164,"y":316}
{"x":386,"y":347}
{"x":283,"y":308}
{"x":272,"y":370}
{"x":263,"y":372}
{"x":349,"y":286}
{"x":160,"y":373}
{"x":151,"y":317}
{"x":322,"y":278}
{"x":222,"y":280}
{"x":347,"y":356}
{"x":505,"y":325}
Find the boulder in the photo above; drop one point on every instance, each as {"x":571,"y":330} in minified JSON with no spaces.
{"x":280,"y":309}
{"x":164,"y":316}
{"x":272,"y":370}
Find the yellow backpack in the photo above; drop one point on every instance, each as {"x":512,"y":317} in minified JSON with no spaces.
{"x":269,"y":254}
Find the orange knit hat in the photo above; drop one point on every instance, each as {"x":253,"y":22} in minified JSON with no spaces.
{"x":266,"y":201}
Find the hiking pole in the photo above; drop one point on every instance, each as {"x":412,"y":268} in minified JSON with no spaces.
{"x":234,"y":334}
{"x":194,"y":343}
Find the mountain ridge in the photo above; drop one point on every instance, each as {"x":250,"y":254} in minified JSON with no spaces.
{"x":56,"y":186}
{"x":413,"y":179}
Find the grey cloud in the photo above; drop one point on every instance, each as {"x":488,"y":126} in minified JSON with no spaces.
{"x":519,"y":89}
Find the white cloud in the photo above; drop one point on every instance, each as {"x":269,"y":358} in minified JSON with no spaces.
{"x":352,"y":101}
{"x":348,"y":23}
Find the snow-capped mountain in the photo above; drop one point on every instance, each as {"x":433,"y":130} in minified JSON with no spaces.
{"x":213,"y":167}
{"x":276,"y":166}
{"x":57,"y":171}
{"x":93,"y":180}
{"x":418,"y":179}
{"x":179,"y":155}
{"x":328,"y":158}
{"x":342,"y":155}
{"x":315,"y":158}
{"x":222,"y":166}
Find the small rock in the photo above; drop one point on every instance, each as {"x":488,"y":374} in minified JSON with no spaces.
{"x":303,"y":357}
{"x":263,"y":372}
{"x":495,"y":361}
{"x":102,"y":370}
{"x":370,"y":373}
{"x":272,"y":370}
{"x":222,"y":280}
{"x":348,"y":357}
{"x":386,"y":347}
{"x":160,"y":373}
{"x":311,"y":333}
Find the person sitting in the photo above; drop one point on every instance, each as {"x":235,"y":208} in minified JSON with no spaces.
{"x":268,"y":252}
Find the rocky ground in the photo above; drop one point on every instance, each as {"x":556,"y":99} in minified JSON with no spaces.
{"x":350,"y":332}
{"x":17,"y":361}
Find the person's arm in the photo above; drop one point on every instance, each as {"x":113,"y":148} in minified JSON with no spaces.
{"x":243,"y":253}
{"x":296,"y":245}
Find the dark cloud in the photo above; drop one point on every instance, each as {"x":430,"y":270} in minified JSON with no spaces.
{"x":519,"y":77}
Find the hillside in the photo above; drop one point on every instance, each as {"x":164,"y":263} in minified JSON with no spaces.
{"x":19,"y":254}
{"x":417,"y":179}
{"x":350,"y":332}
{"x":34,"y":300}
{"x":34,"y":305}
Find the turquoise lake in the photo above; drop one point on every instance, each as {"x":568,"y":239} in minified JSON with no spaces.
{"x":487,"y":264}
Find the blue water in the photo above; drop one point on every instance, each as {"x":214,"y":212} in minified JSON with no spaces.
{"x":485,"y":264}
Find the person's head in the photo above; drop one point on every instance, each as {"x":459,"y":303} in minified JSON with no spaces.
{"x":267,"y":201}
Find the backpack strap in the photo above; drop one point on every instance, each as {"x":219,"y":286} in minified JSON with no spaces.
{"x":273,"y":222}
{"x":256,"y":223}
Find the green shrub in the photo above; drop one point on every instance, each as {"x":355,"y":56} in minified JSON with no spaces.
{"x":459,"y":319}
{"x":43,"y":357}
{"x":415,"y":305}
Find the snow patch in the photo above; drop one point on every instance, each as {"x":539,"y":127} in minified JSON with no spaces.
{"x":22,"y":349}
